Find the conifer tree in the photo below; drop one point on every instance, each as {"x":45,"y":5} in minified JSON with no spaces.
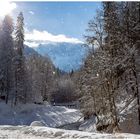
{"x":6,"y":58}
{"x":20,"y":68}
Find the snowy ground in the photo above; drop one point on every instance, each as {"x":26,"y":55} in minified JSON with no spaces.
{"x":51,"y":116}
{"x":15,"y":123}
{"x":46,"y":132}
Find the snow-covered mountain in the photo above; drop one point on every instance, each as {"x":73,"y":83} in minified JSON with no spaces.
{"x":65,"y":56}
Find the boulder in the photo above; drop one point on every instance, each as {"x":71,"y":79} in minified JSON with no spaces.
{"x":37,"y":123}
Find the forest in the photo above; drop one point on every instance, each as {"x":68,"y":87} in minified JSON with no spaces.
{"x":108,"y":83}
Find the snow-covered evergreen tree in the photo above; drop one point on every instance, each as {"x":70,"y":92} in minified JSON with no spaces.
{"x":6,"y":58}
{"x":20,"y":68}
{"x":40,"y":73}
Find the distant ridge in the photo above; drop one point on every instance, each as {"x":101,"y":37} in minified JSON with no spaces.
{"x":65,"y":56}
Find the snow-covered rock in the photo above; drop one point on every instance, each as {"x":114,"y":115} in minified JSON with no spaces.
{"x":46,"y":103}
{"x":37,"y":123}
{"x":89,"y":125}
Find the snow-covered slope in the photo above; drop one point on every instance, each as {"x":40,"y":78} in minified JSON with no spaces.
{"x":52,"y":116}
{"x":46,"y":132}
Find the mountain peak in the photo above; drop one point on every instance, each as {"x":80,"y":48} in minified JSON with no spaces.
{"x":65,"y":56}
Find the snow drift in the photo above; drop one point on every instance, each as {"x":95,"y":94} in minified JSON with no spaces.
{"x":51,"y":116}
{"x":46,"y":132}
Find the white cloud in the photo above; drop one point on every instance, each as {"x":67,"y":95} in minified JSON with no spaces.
{"x":31,"y":12}
{"x":35,"y":37}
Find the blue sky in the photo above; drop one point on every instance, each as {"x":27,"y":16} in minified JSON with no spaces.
{"x":67,"y":18}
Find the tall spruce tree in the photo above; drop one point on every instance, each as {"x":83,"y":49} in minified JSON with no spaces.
{"x":20,"y":68}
